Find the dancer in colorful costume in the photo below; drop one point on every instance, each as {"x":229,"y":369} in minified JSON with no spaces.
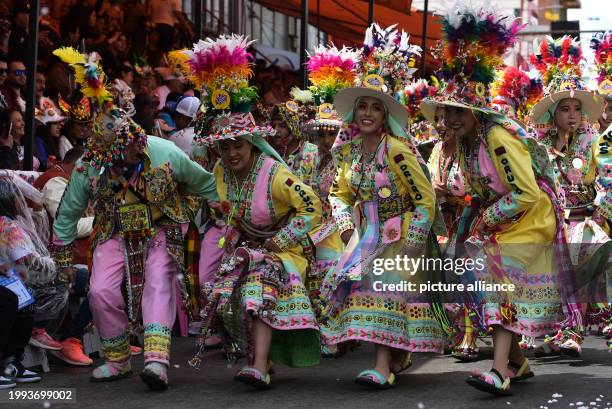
{"x":425,"y":134}
{"x":514,"y":93}
{"x":384,"y":206}
{"x":288,"y":119}
{"x":514,"y":220}
{"x":564,"y":119}
{"x":255,"y":290}
{"x":140,"y":217}
{"x":329,"y":70}
{"x":602,"y":46}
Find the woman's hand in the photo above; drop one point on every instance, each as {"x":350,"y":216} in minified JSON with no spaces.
{"x":272,"y":247}
{"x":346,"y":236}
{"x":439,"y":189}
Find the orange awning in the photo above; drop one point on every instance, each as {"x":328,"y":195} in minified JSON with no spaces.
{"x":345,"y":21}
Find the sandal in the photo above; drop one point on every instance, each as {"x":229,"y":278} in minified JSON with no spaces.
{"x":373,"y":379}
{"x":465,"y":354}
{"x":253,"y":377}
{"x":404,"y":364}
{"x":517,"y":373}
{"x":491,"y":382}
{"x":571,"y":346}
{"x":111,"y":371}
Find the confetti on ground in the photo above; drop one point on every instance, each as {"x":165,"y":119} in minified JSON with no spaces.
{"x":47,"y":404}
{"x":421,"y":405}
{"x":557,"y":395}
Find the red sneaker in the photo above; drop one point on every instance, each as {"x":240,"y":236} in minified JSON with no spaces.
{"x":41,"y":339}
{"x":72,"y":353}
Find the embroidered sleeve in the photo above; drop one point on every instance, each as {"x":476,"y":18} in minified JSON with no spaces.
{"x":71,"y":207}
{"x":407,"y":168}
{"x":198,"y":181}
{"x":513,"y":165}
{"x":290,"y":192}
{"x":604,"y":165}
{"x":342,"y":199}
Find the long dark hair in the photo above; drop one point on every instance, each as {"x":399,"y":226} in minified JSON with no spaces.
{"x":52,"y":144}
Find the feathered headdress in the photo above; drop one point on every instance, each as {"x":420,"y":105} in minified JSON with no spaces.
{"x":601,"y":43}
{"x":385,"y":65}
{"x":516,"y":91}
{"x":329,"y":70}
{"x":113,"y":129}
{"x":475,"y":38}
{"x":88,"y":74}
{"x":414,"y":93}
{"x":387,"y":60}
{"x":559,"y":61}
{"x":221,"y":69}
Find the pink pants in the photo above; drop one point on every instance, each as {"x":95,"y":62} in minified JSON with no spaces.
{"x":105,"y":297}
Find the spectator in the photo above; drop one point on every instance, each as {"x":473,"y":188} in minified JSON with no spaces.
{"x":41,"y":83}
{"x":49,"y":133}
{"x":18,"y":253}
{"x":184,"y":115}
{"x":145,"y":111}
{"x":71,"y":33}
{"x":18,"y":38}
{"x":165,"y":125}
{"x":127,"y":73}
{"x":164,"y":14}
{"x":14,"y":85}
{"x":113,"y":53}
{"x":8,"y":155}
{"x":3,"y":74}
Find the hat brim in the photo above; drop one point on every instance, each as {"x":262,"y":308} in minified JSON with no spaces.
{"x":428,"y":108}
{"x":345,"y":102}
{"x":51,"y":119}
{"x":592,"y":104}
{"x":262,"y":131}
{"x":315,"y":125}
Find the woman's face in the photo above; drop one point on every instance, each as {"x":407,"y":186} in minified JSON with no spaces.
{"x":568,"y":114}
{"x":18,"y":125}
{"x":369,"y":115}
{"x":326,"y":140}
{"x":283,"y":137}
{"x":460,"y":122}
{"x":439,"y":121}
{"x":79,"y":131}
{"x":236,"y":154}
{"x":55,"y":129}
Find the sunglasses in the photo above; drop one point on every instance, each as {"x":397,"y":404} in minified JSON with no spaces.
{"x":19,"y":73}
{"x":3,"y":71}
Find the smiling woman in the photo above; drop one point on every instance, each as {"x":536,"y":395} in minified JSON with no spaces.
{"x":384,"y":207}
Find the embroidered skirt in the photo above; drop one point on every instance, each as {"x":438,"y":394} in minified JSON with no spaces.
{"x":356,"y":311}
{"x":266,"y":288}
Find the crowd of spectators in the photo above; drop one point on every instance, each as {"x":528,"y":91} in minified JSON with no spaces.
{"x":132,"y":37}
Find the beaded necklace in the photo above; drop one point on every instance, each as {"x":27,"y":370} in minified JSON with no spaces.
{"x":237,"y":204}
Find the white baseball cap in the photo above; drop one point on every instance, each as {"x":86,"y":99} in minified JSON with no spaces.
{"x":188,"y":106}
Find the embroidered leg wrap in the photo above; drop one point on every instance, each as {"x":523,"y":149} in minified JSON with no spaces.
{"x":157,"y":344}
{"x":116,"y":349}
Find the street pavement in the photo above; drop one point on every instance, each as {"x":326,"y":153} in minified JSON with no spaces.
{"x":433,"y":382}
